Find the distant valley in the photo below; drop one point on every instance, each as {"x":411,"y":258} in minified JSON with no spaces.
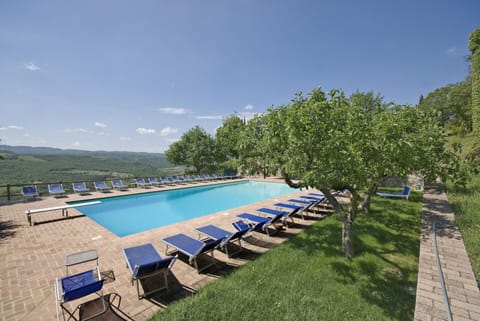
{"x":23,"y":164}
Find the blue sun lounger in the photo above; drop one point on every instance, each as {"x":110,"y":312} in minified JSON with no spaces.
{"x":306,"y":204}
{"x":405,"y":193}
{"x":217,"y":176}
{"x":187,"y":178}
{"x":178,"y":179}
{"x":118,"y":185}
{"x":312,"y":198}
{"x":144,"y":262}
{"x":29,"y":191}
{"x":101,"y":186}
{"x":297,"y":208}
{"x":55,"y":189}
{"x":248,"y":226}
{"x":213,"y":232}
{"x":140,"y":182}
{"x":154,"y":181}
{"x":301,"y":202}
{"x":261,"y":223}
{"x":192,"y":248}
{"x":76,"y":286}
{"x":285,"y":214}
{"x":208,"y":177}
{"x":80,"y":187}
{"x":166,"y":180}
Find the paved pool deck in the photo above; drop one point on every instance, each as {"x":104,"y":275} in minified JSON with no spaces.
{"x":33,"y":256}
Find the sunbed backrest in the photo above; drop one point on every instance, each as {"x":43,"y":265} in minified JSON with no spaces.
{"x":146,"y":269}
{"x":211,"y":245}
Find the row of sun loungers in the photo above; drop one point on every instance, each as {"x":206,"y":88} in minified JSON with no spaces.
{"x":81,"y":187}
{"x":144,"y":261}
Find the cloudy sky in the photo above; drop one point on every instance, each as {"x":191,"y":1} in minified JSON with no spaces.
{"x":134,"y":75}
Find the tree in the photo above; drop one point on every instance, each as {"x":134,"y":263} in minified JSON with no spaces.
{"x":474,"y":46}
{"x":331,"y":142}
{"x":453,"y":103}
{"x":252,"y":148}
{"x":227,"y":137}
{"x":195,"y":149}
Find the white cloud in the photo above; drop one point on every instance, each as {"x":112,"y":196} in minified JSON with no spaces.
{"x":15,"y":127}
{"x":31,"y":66}
{"x":125,"y":139}
{"x":248,"y":107}
{"x":171,"y":140}
{"x":145,"y":131}
{"x":168,"y":130}
{"x":76,"y":144}
{"x":172,"y":110}
{"x":210,"y":117}
{"x":99,"y":124}
{"x":12,"y":127}
{"x":75,"y":130}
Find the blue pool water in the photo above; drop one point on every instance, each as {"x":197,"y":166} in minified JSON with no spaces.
{"x":126,"y":215}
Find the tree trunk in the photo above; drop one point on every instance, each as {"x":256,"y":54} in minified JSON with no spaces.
{"x":365,"y":206}
{"x":347,"y":236}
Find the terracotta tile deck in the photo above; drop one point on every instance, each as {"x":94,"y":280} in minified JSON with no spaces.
{"x":33,"y":256}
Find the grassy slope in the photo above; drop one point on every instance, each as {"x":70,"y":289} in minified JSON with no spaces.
{"x":466,"y":203}
{"x":25,"y":169}
{"x":307,"y":277}
{"x":466,"y":142}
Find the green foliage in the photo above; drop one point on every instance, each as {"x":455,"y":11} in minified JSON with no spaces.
{"x":454,"y":104}
{"x":252,"y":147}
{"x":196,"y":150}
{"x":329,"y":141}
{"x":466,"y":202}
{"x":306,"y":278}
{"x":226,"y":138}
{"x":474,"y":46}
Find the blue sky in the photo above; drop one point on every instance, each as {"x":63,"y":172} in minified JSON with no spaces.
{"x":134,"y":75}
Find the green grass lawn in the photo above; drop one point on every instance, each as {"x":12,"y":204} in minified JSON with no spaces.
{"x":465,"y":203}
{"x":466,"y":142}
{"x":307,"y":278}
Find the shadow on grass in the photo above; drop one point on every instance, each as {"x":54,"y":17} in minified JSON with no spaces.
{"x":384,"y":239}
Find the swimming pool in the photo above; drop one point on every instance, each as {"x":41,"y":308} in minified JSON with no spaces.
{"x":126,"y":215}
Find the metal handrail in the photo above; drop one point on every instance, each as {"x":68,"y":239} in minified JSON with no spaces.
{"x":440,"y":272}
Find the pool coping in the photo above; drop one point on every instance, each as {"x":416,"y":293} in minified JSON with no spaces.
{"x":158,"y":191}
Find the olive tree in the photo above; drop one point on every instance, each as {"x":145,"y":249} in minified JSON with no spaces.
{"x":252,"y":147}
{"x":227,"y":137}
{"x":195,"y":149}
{"x":330,"y":143}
